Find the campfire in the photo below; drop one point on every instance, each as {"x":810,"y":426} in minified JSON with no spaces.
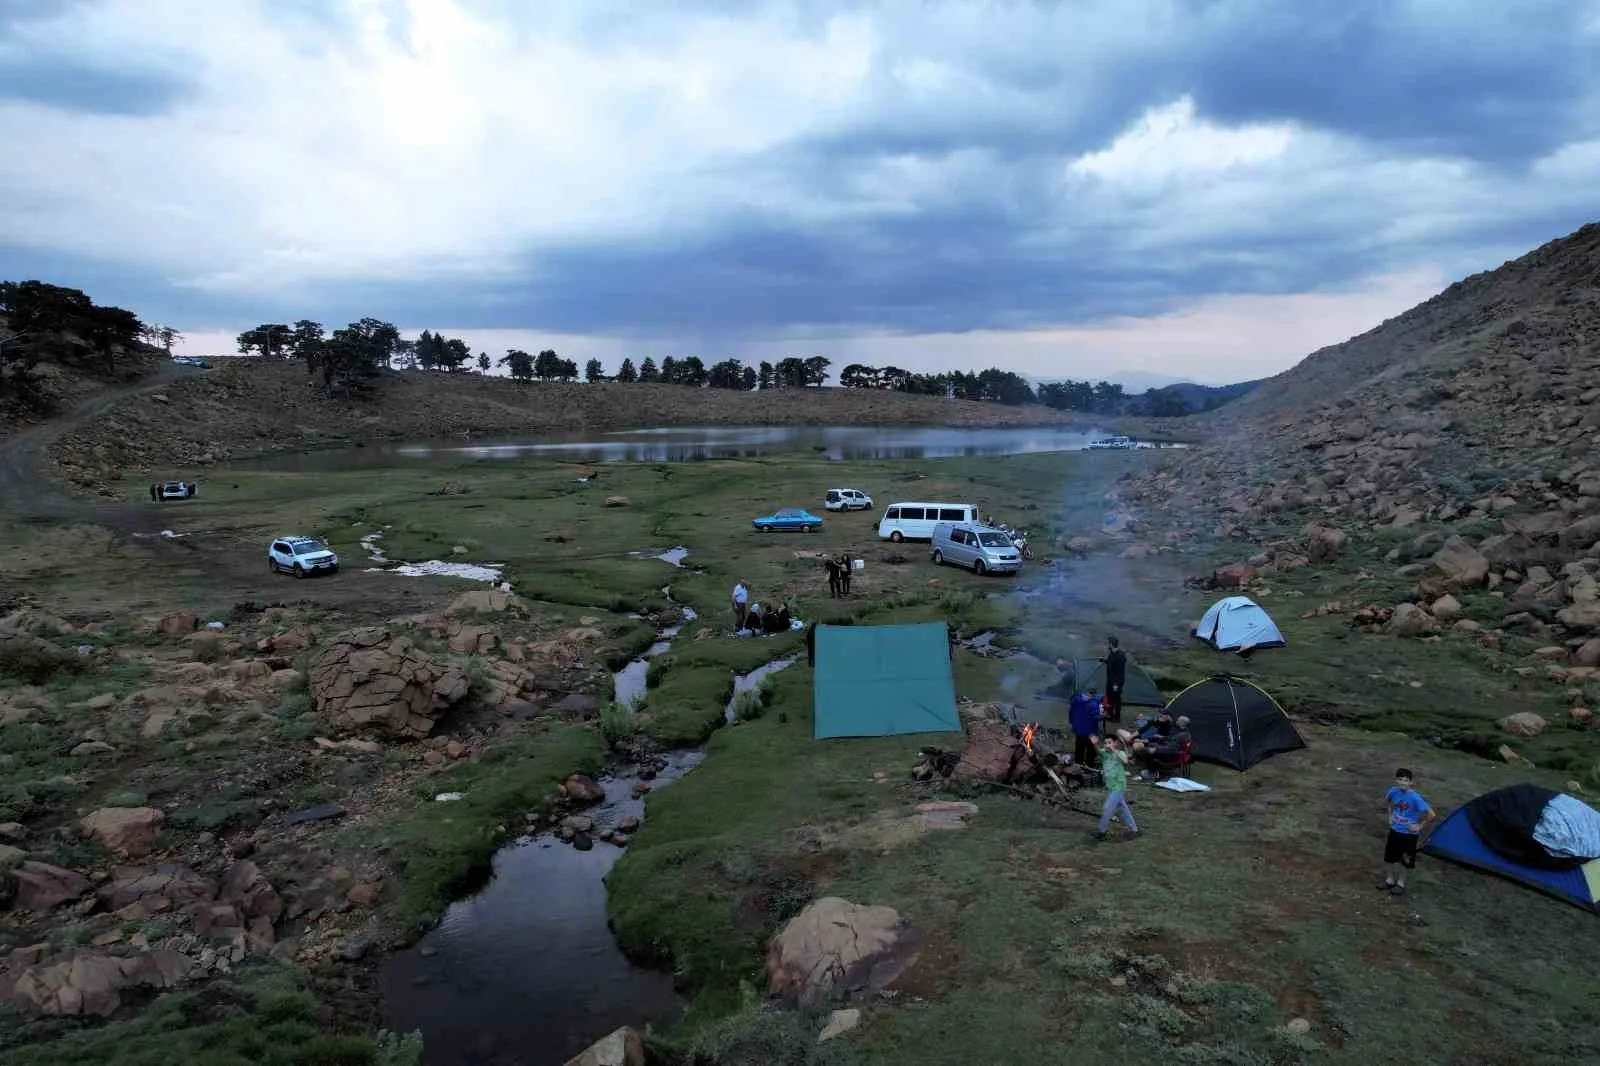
{"x":1018,"y":758}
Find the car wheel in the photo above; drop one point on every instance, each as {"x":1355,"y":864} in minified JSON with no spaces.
{"x":272,"y":565}
{"x":938,"y":558}
{"x":895,"y":537}
{"x":299,"y":571}
{"x":977,"y":567}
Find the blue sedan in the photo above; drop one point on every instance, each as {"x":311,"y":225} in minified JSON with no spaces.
{"x":790,"y":518}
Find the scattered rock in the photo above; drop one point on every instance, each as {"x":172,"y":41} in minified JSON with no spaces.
{"x":583,"y":841}
{"x":484,"y":601}
{"x":1324,"y":542}
{"x":12,"y":832}
{"x":41,"y":887}
{"x":1409,"y":620}
{"x":102,"y":702}
{"x":91,"y":748}
{"x":129,"y":831}
{"x":364,"y":894}
{"x":315,"y":814}
{"x":1233,"y":576}
{"x":369,"y":678}
{"x":620,"y":1048}
{"x":840,"y":1022}
{"x":1459,"y":563}
{"x":837,"y":947}
{"x":453,"y":488}
{"x":1298,"y":1025}
{"x":91,"y":982}
{"x":1523,"y":724}
{"x":629,"y":824}
{"x":1581,"y":715}
{"x":1510,"y":756}
{"x":178,"y":624}
{"x":1445,"y":607}
{"x":583,"y":789}
{"x":616,"y":501}
{"x":577,"y":823}
{"x":1080,"y":545}
{"x":578,"y":705}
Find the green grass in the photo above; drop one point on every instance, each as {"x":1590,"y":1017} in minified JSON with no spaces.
{"x":261,"y":1016}
{"x":445,"y":849}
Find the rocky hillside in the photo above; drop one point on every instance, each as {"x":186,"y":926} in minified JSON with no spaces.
{"x":1464,"y":432}
{"x":249,"y":407}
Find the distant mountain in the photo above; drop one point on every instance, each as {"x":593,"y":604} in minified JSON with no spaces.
{"x":1132,"y":381}
{"x":1188,"y":398}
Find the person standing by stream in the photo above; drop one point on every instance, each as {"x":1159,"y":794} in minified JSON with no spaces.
{"x":741,"y":606}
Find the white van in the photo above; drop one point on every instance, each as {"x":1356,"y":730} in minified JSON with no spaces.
{"x":979,"y":548}
{"x":916,"y":521}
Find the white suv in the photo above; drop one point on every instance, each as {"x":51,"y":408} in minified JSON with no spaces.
{"x":301,"y":556}
{"x":848,"y":500}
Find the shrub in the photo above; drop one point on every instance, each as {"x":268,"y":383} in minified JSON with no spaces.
{"x":35,"y":661}
{"x":618,"y":722}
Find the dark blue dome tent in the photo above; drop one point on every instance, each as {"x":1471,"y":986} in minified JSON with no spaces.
{"x":1544,"y":839}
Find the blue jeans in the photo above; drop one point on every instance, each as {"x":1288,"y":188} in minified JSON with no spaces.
{"x":1117,"y":802}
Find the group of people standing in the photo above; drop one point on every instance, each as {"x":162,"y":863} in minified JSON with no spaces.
{"x":838,"y":568}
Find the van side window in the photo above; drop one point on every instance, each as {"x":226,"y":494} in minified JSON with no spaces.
{"x":911,"y":514}
{"x":892,"y":513}
{"x":960,"y":536}
{"x":953,"y":514}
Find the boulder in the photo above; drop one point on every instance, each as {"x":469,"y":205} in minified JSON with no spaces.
{"x":1583,"y":533}
{"x":1588,"y":653}
{"x":616,"y":501}
{"x":453,"y":488}
{"x":835,"y":947}
{"x":1409,"y":620}
{"x":1509,"y":755}
{"x":41,"y":887}
{"x":91,"y":982}
{"x":1232,"y":576}
{"x":1445,"y":607}
{"x":583,"y":788}
{"x":1523,"y":724}
{"x":179,"y":624}
{"x":622,"y":1047}
{"x":484,"y":601}
{"x":1080,"y":545}
{"x":578,"y":705}
{"x":988,"y":752}
{"x":1325,"y":542}
{"x":247,"y":888}
{"x":1459,"y":563}
{"x":299,"y":638}
{"x":371,"y":679}
{"x":1581,"y":715}
{"x":1583,"y":617}
{"x":128,"y":831}
{"x":840,"y":1022}
{"x":170,"y":883}
{"x":1506,"y":549}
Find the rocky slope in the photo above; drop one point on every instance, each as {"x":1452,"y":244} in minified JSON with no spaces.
{"x":1466,"y":432}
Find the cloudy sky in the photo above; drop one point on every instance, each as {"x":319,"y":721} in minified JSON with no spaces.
{"x":1204,"y":189}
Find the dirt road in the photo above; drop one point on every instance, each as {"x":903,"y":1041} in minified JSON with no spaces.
{"x":28,"y":492}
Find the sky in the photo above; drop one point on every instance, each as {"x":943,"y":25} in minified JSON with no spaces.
{"x":1175,"y":189}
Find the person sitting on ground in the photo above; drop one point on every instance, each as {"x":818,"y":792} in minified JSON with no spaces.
{"x":776,"y":621}
{"x":1162,"y":754}
{"x":754,"y":619}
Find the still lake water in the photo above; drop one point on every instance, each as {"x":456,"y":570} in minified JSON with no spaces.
{"x":691,"y":443}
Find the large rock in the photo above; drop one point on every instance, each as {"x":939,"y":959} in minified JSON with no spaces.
{"x":1459,"y":563}
{"x":1523,"y":724}
{"x":1588,"y":653}
{"x":990,"y":750}
{"x":371,"y":679}
{"x":41,"y":887}
{"x":128,"y":831}
{"x":1445,"y":607}
{"x":620,"y":1048}
{"x":1583,"y":533}
{"x":91,"y":982}
{"x":154,"y":888}
{"x":1584,"y":617}
{"x":484,"y":601}
{"x":178,"y":624}
{"x":1325,"y":542}
{"x":1409,"y":620}
{"x":836,"y":948}
{"x":583,"y":788}
{"x":1232,"y":576}
{"x":616,"y":501}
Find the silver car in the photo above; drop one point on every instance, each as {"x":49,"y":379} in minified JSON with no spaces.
{"x":980,"y":548}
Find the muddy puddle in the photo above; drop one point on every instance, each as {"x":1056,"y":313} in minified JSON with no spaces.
{"x":527,"y":972}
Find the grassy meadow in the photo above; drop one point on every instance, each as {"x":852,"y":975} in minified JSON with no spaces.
{"x":1241,"y":910}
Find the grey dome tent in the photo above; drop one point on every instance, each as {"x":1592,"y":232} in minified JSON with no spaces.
{"x":1238,"y":623}
{"x":1138,"y":689}
{"x":1234,"y":722}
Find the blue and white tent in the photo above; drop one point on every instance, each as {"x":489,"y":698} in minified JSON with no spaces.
{"x":1546,"y":840}
{"x":1238,"y":624}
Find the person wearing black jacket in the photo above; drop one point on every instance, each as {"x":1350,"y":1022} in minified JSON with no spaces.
{"x":1116,"y":661}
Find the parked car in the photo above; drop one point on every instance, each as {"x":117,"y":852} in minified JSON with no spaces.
{"x":1111,"y":442}
{"x":848,"y":500}
{"x":191,"y":360}
{"x":916,"y":521}
{"x":790,"y":518}
{"x":176,"y":490}
{"x":301,"y":556}
{"x":983,"y":549}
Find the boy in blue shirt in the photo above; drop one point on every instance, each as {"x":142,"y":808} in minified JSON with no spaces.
{"x":1408,"y":814}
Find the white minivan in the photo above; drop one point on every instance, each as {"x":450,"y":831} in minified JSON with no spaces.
{"x":978,"y":548}
{"x":916,"y":521}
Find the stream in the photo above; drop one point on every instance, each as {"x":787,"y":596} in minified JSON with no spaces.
{"x":527,"y":973}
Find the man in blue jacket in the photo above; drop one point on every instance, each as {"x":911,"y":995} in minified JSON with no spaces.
{"x":1084,"y":716}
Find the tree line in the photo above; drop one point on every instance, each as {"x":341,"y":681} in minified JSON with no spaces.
{"x":42,"y":321}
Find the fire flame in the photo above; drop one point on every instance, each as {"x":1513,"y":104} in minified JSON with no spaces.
{"x":1028,"y":733}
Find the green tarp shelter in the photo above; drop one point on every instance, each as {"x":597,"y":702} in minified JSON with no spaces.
{"x":881,"y":681}
{"x":1138,"y":689}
